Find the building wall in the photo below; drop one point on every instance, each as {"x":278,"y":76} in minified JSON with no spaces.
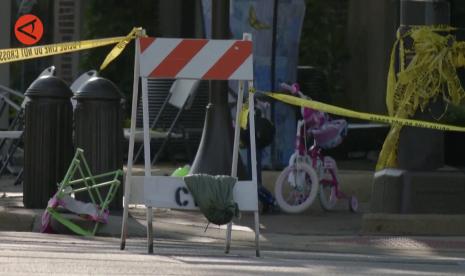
{"x":5,"y":31}
{"x":176,"y":18}
{"x":67,"y":27}
{"x":371,"y":32}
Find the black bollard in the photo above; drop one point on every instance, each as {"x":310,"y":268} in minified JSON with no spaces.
{"x":99,"y":130}
{"x":48,"y":145}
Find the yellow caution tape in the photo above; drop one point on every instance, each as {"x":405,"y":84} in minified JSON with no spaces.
{"x":18,"y":54}
{"x":244,"y":116}
{"x":292,"y":100}
{"x":116,"y":51}
{"x":430,"y":74}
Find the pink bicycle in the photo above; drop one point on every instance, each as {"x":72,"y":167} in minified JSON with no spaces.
{"x":309,"y":172}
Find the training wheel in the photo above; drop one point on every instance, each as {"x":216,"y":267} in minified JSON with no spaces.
{"x":353,"y":204}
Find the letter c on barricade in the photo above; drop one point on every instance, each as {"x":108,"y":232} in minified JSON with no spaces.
{"x":178,"y":196}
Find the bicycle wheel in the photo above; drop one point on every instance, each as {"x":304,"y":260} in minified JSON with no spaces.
{"x":296,"y":188}
{"x":327,"y":192}
{"x":353,"y":204}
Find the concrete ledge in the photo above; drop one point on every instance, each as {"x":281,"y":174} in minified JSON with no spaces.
{"x":413,"y":224}
{"x":17,"y":219}
{"x":419,"y":192}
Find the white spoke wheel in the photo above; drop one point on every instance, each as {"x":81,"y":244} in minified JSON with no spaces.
{"x":296,"y":188}
{"x":328,"y":198}
{"x":353,"y":204}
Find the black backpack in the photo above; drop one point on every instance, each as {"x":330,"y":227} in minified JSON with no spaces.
{"x":214,"y":196}
{"x":264,"y":131}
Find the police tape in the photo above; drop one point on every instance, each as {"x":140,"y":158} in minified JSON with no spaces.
{"x":116,"y":51}
{"x":18,"y":54}
{"x":292,"y":100}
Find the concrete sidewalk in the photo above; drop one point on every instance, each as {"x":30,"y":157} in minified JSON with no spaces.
{"x":278,"y":232}
{"x":313,"y":230}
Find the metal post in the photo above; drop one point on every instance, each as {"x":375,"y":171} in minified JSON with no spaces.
{"x":253,"y":163}
{"x":127,"y":183}
{"x":429,"y":153}
{"x":217,"y":136}
{"x":147,"y":161}
{"x":235,"y":157}
{"x":420,"y":151}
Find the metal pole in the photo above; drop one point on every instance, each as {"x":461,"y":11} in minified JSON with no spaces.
{"x":214,"y":155}
{"x":420,"y":151}
{"x":428,"y":154}
{"x":273,"y":70}
{"x":127,"y":183}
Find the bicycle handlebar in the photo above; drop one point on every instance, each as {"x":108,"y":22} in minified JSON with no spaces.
{"x":294,"y":89}
{"x":288,"y":87}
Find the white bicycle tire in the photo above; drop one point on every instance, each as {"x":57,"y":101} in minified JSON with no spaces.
{"x":327,"y":193}
{"x":283,"y":180}
{"x":327,"y":201}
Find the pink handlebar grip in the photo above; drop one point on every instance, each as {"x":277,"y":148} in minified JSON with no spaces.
{"x":294,"y":88}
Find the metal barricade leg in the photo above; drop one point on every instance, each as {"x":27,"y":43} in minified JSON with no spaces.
{"x":127,"y":183}
{"x":228,"y":238}
{"x":149,"y":230}
{"x":257,"y":234}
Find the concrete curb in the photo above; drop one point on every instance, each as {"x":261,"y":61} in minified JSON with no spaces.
{"x":413,"y":224}
{"x":185,"y":231}
{"x":17,"y":219}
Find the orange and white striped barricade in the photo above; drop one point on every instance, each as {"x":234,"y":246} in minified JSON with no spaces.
{"x":202,"y":59}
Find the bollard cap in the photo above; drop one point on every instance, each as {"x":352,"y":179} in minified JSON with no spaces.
{"x":49,"y":86}
{"x":98,"y":88}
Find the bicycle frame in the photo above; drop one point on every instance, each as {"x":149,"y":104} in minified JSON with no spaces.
{"x":320,"y":163}
{"x":310,"y":162}
{"x":314,"y":154}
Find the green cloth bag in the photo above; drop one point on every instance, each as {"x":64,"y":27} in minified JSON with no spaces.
{"x":214,"y":196}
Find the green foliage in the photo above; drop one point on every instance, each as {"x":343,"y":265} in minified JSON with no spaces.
{"x":323,"y":42}
{"x":108,"y":18}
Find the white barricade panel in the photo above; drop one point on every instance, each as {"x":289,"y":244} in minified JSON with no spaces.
{"x":193,"y":59}
{"x":208,"y":59}
{"x":171,"y":192}
{"x":137,"y":190}
{"x":245,"y":194}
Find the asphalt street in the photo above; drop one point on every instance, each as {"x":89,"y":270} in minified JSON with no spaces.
{"x":23,"y":253}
